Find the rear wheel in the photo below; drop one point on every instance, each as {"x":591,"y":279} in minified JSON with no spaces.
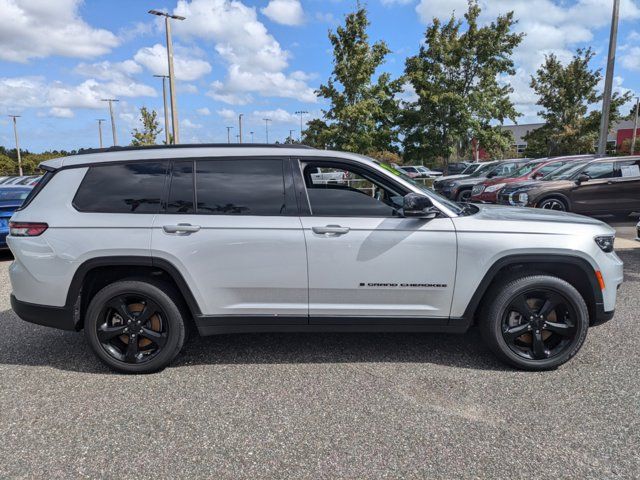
{"x":535,"y":322}
{"x":134,"y":326}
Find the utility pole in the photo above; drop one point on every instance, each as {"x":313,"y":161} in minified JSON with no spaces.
{"x":100,"y":120}
{"x":15,"y":133}
{"x":635,"y":128}
{"x":608,"y":83}
{"x":113,"y":122}
{"x":237,"y":138}
{"x":240,"y":127}
{"x":301,"y":113}
{"x":266,"y":127}
{"x":229,"y":134}
{"x":167,"y":135}
{"x":291,"y":134}
{"x":251,"y":136}
{"x":172,"y":83}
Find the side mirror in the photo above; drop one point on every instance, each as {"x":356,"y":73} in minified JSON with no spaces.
{"x":419,"y":206}
{"x":583,"y":178}
{"x":537,"y":176}
{"x":491,"y":174}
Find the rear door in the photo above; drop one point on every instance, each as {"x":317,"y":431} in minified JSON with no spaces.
{"x":231,"y":227}
{"x":628,"y":186}
{"x":367,"y":264}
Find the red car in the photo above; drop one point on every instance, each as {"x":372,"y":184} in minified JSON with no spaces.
{"x":487,"y":191}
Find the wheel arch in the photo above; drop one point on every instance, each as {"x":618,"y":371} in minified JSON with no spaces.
{"x":575,"y":270}
{"x":95,"y":273}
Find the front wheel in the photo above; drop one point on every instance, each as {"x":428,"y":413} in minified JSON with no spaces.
{"x":535,"y":322}
{"x":464,"y":196}
{"x":134,"y":326}
{"x":553,"y":204}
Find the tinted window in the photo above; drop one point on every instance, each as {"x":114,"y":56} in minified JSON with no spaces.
{"x":599,"y":170}
{"x":126,"y":188}
{"x":351,"y":194}
{"x":181,"y":199}
{"x":551,"y":167}
{"x":240,"y":187}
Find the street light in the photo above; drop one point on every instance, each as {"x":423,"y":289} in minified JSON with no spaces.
{"x":229,"y":134}
{"x":167,"y":136}
{"x":172,"y":86}
{"x":251,"y":136}
{"x":240,"y":127}
{"x":301,"y":113}
{"x":291,"y":134}
{"x":113,"y":122}
{"x":100,"y":120}
{"x":266,"y":127}
{"x":15,"y":133}
{"x":608,"y":82}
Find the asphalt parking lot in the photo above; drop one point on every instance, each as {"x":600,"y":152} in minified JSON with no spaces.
{"x":321,"y":406}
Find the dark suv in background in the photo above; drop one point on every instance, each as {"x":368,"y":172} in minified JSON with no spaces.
{"x":607,"y":185}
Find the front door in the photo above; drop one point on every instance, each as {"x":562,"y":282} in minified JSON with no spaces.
{"x":366,"y":263}
{"x":231,"y":227}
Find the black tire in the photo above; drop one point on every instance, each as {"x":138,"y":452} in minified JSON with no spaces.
{"x":554,"y":339}
{"x":140,"y":347}
{"x":464,"y":196}
{"x":554,"y":203}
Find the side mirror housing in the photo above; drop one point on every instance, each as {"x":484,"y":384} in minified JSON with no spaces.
{"x":582,"y":178}
{"x":418,"y":206}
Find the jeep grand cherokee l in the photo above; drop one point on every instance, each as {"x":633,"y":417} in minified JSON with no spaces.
{"x":136,"y":245}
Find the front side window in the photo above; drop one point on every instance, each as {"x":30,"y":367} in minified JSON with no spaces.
{"x":355,"y":193}
{"x":240,"y":187}
{"x":599,"y":170}
{"x":122,"y":188}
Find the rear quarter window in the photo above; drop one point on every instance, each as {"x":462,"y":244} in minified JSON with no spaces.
{"x":122,"y":188}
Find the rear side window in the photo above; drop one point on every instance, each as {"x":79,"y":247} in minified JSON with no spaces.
{"x":240,"y":187}
{"x":122,"y":188}
{"x":600,"y":170}
{"x":181,"y":194}
{"x":37,"y":189}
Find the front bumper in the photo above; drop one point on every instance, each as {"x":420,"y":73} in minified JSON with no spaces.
{"x":484,"y":197}
{"x":55,"y":317}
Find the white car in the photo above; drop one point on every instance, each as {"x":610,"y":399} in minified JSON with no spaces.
{"x":136,"y":245}
{"x":428,"y":173}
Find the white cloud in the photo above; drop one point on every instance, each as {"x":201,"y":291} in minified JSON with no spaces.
{"x":397,"y":2}
{"x":204,"y":111}
{"x":41,"y":28}
{"x":227,"y":114}
{"x":277,"y":116}
{"x":61,"y":112}
{"x":186,"y":123}
{"x":631,"y":58}
{"x":285,"y":12}
{"x":186,"y":68}
{"x":107,"y":70}
{"x":256,"y":61}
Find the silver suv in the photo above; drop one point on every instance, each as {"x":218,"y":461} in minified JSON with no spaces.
{"x":138,"y":245}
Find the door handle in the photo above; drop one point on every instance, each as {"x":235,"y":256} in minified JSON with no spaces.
{"x":330,"y":230}
{"x":181,"y":228}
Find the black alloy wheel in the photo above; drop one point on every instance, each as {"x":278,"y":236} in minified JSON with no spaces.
{"x":464,"y":196}
{"x":553,"y":204}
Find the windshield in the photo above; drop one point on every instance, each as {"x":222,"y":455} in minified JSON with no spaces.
{"x":457,"y":208}
{"x":565,"y":172}
{"x":525,"y":169}
{"x":13,"y":195}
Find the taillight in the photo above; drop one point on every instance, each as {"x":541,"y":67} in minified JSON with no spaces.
{"x":27,"y":229}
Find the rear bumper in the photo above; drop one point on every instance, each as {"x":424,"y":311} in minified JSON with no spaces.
{"x":55,"y":317}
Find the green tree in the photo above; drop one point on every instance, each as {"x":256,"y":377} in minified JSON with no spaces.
{"x":150,"y":128}
{"x":363,"y":112}
{"x":566,"y":93}
{"x":460,"y":78}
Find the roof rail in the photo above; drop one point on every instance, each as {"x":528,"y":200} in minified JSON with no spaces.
{"x":85,"y":151}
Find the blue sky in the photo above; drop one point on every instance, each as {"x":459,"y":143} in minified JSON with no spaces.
{"x":262,"y":58}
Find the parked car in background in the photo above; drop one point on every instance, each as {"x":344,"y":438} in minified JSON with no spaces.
{"x":638,"y":232}
{"x":428,"y":173}
{"x":456,"y":168}
{"x":327,"y":176}
{"x":11,"y":198}
{"x":419,"y":171}
{"x":602,"y":186}
{"x":473,"y":167}
{"x":460,"y":189}
{"x":410,"y":171}
{"x":487,"y":191}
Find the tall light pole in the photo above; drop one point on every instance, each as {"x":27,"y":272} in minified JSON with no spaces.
{"x":291,"y":134}
{"x":301,"y":113}
{"x":240,"y":127}
{"x":608,"y":83}
{"x":15,"y":133}
{"x":251,"y":136}
{"x":266,"y":127}
{"x":167,"y":135}
{"x":172,"y":86}
{"x":229,"y":134}
{"x":635,"y":128}
{"x":113,"y":122}
{"x":100,"y":120}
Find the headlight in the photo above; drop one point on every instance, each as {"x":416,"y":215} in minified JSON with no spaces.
{"x":496,"y":187}
{"x":523,"y":198}
{"x":605,"y":242}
